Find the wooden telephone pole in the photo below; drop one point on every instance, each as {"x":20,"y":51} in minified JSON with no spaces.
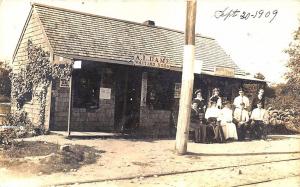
{"x":187,"y":79}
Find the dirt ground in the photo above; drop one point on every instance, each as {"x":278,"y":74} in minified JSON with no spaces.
{"x":39,"y":157}
{"x":154,"y":163}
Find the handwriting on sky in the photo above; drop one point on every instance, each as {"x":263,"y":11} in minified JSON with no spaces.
{"x":228,"y":13}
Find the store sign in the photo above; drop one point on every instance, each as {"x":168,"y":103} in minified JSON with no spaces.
{"x":151,"y":61}
{"x":224,"y":71}
{"x":63,"y":83}
{"x":77,"y":64}
{"x":198,"y":66}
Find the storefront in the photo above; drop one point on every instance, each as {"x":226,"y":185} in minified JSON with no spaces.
{"x":137,"y":98}
{"x":130,"y":74}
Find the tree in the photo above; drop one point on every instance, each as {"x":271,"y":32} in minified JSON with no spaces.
{"x":5,"y":83}
{"x":293,"y":75}
{"x":259,"y":76}
{"x":287,"y":95}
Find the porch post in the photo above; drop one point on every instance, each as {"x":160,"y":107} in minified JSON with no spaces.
{"x":70,"y":104}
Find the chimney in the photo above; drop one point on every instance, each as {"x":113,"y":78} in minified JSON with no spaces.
{"x":149,"y":22}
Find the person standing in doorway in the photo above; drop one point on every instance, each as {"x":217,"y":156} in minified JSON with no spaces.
{"x":241,"y":99}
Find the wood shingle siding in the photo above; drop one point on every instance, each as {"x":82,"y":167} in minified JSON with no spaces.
{"x":32,"y":30}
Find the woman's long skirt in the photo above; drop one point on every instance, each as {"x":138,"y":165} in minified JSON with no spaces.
{"x":229,"y":130}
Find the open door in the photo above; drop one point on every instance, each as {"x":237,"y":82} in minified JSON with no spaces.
{"x":133,"y":99}
{"x":128,"y":94}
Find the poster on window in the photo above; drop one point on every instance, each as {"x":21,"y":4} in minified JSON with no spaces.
{"x":177,"y":89}
{"x":105,"y":93}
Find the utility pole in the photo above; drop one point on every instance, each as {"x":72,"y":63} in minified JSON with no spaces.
{"x":187,"y":80}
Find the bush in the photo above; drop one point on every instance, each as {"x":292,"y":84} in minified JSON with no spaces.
{"x":5,"y":85}
{"x":284,"y":108}
{"x":284,"y":121}
{"x":16,"y":126}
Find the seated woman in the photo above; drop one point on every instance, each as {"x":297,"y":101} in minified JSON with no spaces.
{"x":211,"y":115}
{"x":228,"y":126}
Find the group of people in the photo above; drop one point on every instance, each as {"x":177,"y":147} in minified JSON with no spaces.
{"x":221,"y":121}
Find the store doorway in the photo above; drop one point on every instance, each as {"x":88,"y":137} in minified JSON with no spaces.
{"x":128,"y":99}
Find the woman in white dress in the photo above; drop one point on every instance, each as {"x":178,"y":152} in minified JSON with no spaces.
{"x":229,"y":128}
{"x":215,"y":133}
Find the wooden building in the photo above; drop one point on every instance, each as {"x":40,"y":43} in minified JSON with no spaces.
{"x":130,"y":75}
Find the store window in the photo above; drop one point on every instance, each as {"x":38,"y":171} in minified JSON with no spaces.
{"x":160,"y":90}
{"x":86,"y":83}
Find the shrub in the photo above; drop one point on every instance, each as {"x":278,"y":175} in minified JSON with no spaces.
{"x":5,"y":84}
{"x":16,"y":126}
{"x":285,"y":108}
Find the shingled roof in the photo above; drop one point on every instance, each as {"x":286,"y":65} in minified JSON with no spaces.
{"x":73,"y":33}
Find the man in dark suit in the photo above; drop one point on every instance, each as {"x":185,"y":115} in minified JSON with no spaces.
{"x":260,"y":98}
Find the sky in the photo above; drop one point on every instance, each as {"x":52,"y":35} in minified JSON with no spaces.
{"x":255,"y":44}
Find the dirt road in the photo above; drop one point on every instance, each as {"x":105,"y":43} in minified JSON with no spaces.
{"x":248,"y":175}
{"x":154,"y":163}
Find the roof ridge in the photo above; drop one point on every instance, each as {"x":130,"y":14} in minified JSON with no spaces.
{"x":115,"y":19}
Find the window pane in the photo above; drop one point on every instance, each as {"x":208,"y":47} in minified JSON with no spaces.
{"x":86,"y":88}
